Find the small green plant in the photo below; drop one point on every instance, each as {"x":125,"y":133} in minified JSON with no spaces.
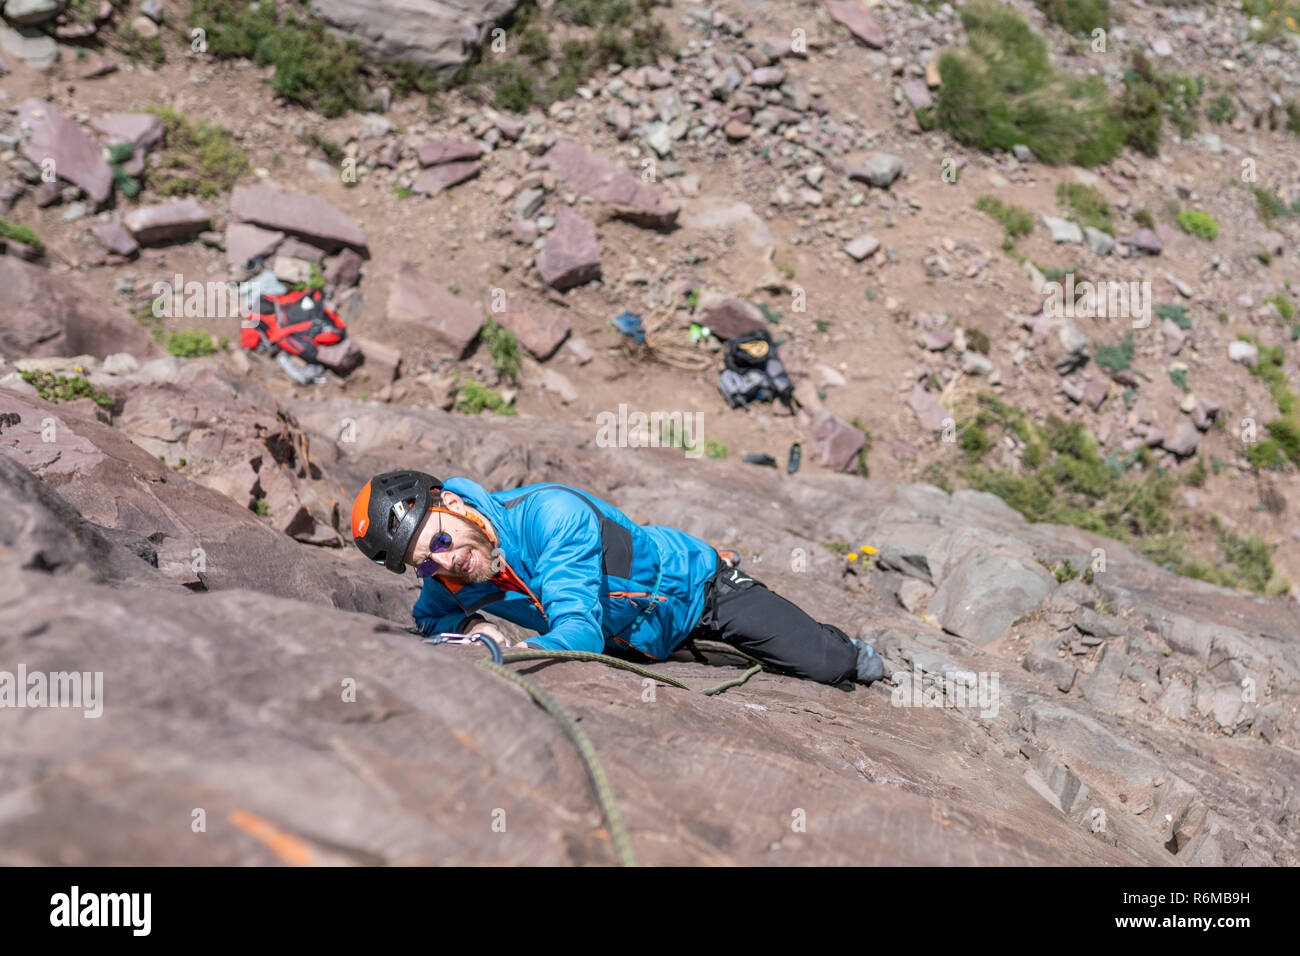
{"x":503,"y":348}
{"x":1016,"y":220}
{"x":821,"y":325}
{"x":260,"y":506}
{"x":1176,"y":314}
{"x":1179,"y":377}
{"x":864,"y":453}
{"x":17,"y":232}
{"x":1198,"y":474}
{"x":715,"y":448}
{"x":1116,"y":357}
{"x":332,"y":150}
{"x":693,"y":299}
{"x":1065,"y":571}
{"x":977,"y":341}
{"x":138,"y":47}
{"x":473,"y":398}
{"x":1077,"y":16}
{"x":1144,"y":218}
{"x":68,"y":388}
{"x":403,"y":192}
{"x":1283,"y":305}
{"x":190,"y":343}
{"x":202,"y":160}
{"x":1197,"y":223}
{"x":1222,"y":109}
{"x":1091,"y":208}
{"x":1271,"y":208}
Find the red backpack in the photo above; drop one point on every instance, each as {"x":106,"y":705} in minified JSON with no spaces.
{"x":297,"y":322}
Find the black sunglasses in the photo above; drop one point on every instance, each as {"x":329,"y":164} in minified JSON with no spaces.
{"x":441,"y":542}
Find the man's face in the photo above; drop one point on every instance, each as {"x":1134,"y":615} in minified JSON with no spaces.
{"x":469,"y":559}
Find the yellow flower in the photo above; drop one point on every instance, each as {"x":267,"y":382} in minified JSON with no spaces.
{"x":852,"y":556}
{"x":1290,"y":22}
{"x":868,"y":549}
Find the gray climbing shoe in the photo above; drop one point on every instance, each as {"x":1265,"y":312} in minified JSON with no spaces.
{"x":871,"y":667}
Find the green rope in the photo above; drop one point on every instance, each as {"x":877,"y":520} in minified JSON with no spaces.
{"x":595,"y":769}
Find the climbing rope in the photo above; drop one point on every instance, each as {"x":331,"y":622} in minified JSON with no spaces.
{"x":595,"y":769}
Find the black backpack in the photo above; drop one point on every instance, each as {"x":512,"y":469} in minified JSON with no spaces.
{"x":754,"y":373}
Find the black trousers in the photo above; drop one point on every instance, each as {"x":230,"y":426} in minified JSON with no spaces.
{"x":743,"y":612}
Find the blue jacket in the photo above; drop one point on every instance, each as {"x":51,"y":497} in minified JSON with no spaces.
{"x":592,"y":569}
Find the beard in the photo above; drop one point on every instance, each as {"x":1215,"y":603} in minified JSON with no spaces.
{"x":481,"y":545}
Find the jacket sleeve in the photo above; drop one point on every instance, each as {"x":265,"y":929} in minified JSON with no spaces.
{"x":567,"y":542}
{"x":436,"y":611}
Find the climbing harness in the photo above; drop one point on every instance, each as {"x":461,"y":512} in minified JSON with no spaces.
{"x":595,"y":769}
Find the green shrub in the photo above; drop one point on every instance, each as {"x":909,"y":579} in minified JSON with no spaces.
{"x":1116,"y":357}
{"x":17,"y":232}
{"x":1222,"y":109}
{"x":1144,"y":218}
{"x":1149,"y":97}
{"x":138,"y":47}
{"x":1270,"y":206}
{"x":474,"y":398}
{"x":190,"y":343}
{"x":1198,"y":223}
{"x":503,"y":349}
{"x":1283,"y":306}
{"x":715,"y":448}
{"x":67,"y":388}
{"x":1077,"y":16}
{"x":1176,"y":314}
{"x":1090,"y":207}
{"x":1016,"y":220}
{"x":532,"y":73}
{"x":977,"y":341}
{"x":312,"y":67}
{"x":1000,"y":90}
{"x":202,"y":160}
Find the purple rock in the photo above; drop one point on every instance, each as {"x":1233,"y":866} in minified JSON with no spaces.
{"x":571,"y":255}
{"x":115,"y":239}
{"x":77,"y":158}
{"x":836,"y":442}
{"x":298,"y":214}
{"x":168,"y":222}
{"x":437,"y":178}
{"x":439,"y":151}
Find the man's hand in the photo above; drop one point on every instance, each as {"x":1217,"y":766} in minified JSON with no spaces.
{"x":492,"y":631}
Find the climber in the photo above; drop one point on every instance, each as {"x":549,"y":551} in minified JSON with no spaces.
{"x":579,"y":572}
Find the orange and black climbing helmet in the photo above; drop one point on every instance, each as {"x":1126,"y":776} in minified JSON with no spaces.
{"x":388,"y":512}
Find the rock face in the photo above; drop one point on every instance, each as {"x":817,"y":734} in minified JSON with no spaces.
{"x":540,"y":330}
{"x":297,"y":214}
{"x":571,"y":255}
{"x":837,"y":442}
{"x":854,"y":15}
{"x":429,"y":33}
{"x":415,"y":298}
{"x":46,"y":314}
{"x":437,"y":178}
{"x":75,"y":155}
{"x":611,"y":184}
{"x":223,"y":643}
{"x":167,"y":222}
